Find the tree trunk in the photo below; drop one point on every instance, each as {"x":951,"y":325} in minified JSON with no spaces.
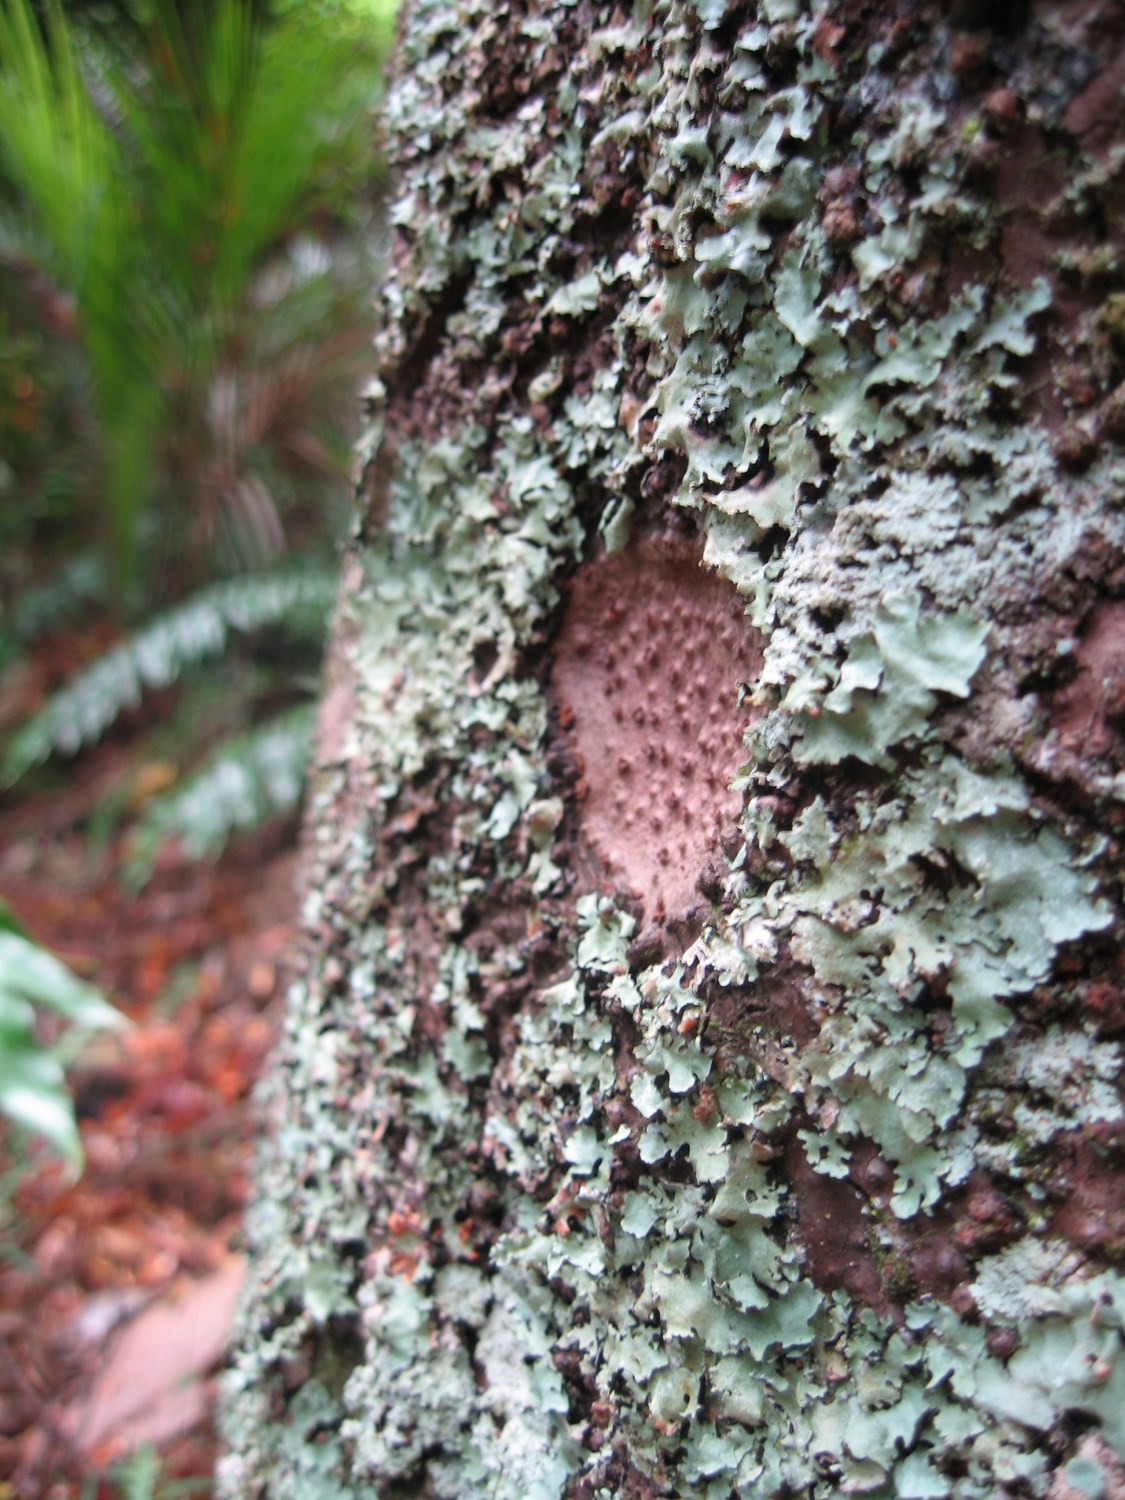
{"x":704,"y":1072}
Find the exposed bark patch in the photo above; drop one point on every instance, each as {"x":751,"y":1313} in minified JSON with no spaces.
{"x":650,"y":657}
{"x":1093,"y":1450}
{"x":1089,"y":711}
{"x":762,"y":1020}
{"x":1092,"y":1214}
{"x":337,"y":709}
{"x":934,"y":1266}
{"x":1029,"y":174}
{"x":1103,"y":1003}
{"x":833,"y":1234}
{"x":617,"y":1476}
{"x":1095,"y":116}
{"x":336,"y":714}
{"x":849,"y":1240}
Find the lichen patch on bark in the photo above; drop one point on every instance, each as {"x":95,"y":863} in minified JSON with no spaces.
{"x":792,"y":1209}
{"x":655,"y":765}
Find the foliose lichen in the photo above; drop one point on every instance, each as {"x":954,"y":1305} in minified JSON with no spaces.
{"x":766,"y":1203}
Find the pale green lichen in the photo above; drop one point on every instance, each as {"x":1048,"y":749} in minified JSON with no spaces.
{"x":886,"y":689}
{"x":856,"y":472}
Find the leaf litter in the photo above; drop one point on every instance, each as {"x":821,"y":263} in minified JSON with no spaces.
{"x":117,"y":1290}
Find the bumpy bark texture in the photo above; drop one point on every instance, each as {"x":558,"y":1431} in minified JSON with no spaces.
{"x":704,"y":1075}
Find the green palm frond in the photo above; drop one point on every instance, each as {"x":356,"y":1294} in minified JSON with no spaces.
{"x":158,"y":656}
{"x":247,"y":779}
{"x":263,"y":118}
{"x":265,"y":435}
{"x":60,"y":152}
{"x":66,"y":162}
{"x":162,"y":175}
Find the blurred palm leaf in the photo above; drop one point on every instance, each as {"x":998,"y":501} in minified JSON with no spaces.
{"x":162,"y":182}
{"x":260,"y":435}
{"x":65,"y":160}
{"x":194,"y":178}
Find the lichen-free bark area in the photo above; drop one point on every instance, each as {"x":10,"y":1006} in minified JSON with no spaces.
{"x":704,"y":1071}
{"x":649,"y":664}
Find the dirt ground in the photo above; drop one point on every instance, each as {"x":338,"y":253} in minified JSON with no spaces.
{"x":117,"y":1291}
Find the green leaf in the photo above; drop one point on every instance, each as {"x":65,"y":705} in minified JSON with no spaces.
{"x":32,"y":1084}
{"x":30,"y":972}
{"x":33,"y":1094}
{"x":9,"y":922}
{"x":160,"y":175}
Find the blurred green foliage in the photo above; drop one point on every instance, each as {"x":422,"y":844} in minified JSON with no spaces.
{"x":159,"y":654}
{"x":32,"y":1082}
{"x":187,"y":195}
{"x":189,"y":233}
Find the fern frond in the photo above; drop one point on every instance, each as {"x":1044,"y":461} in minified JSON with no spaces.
{"x":256,"y":776}
{"x":157,"y":656}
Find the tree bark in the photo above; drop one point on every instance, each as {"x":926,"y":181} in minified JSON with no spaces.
{"x":704,"y":1072}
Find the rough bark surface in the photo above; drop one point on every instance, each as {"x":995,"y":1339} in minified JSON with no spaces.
{"x":705,"y":1072}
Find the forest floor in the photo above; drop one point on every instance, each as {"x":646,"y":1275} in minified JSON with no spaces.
{"x":117,"y":1290}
